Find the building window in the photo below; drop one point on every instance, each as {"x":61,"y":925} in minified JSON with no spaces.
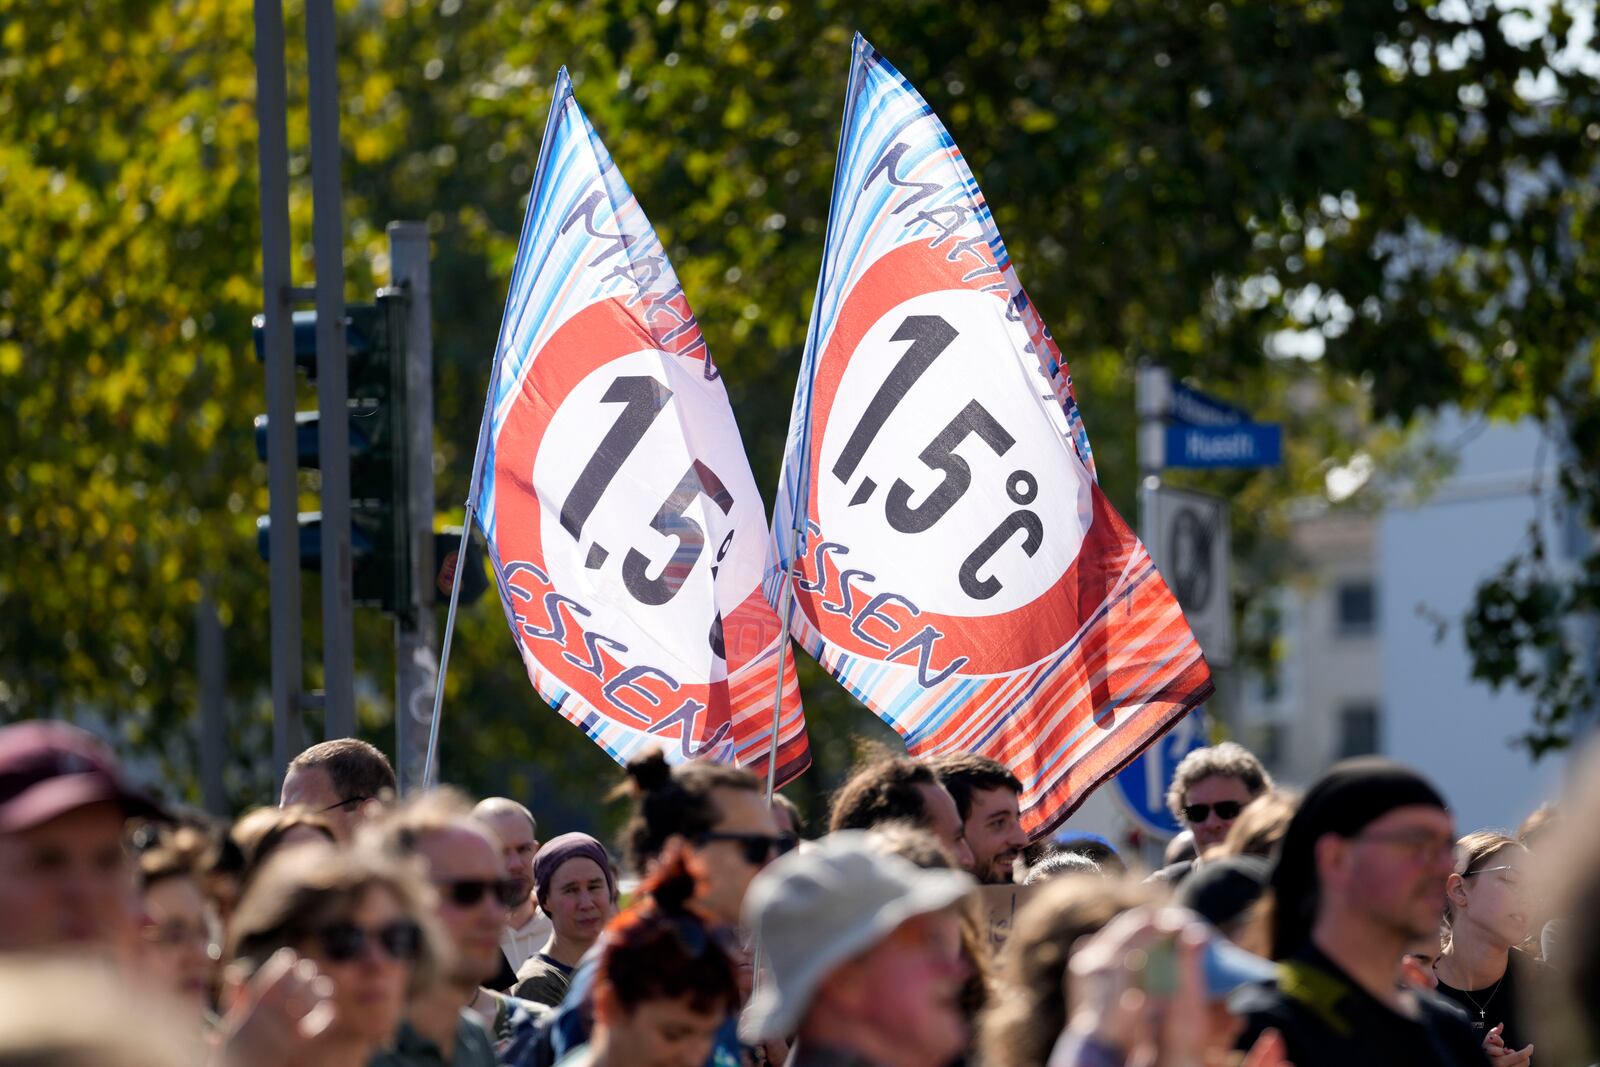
{"x":1358,"y":730}
{"x":1357,"y":608}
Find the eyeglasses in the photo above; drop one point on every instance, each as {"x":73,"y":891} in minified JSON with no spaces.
{"x":346,"y":804}
{"x":1522,"y":888}
{"x":1227,"y":810}
{"x":758,"y":848}
{"x":343,"y":942}
{"x":1418,"y":845}
{"x":466,"y":892}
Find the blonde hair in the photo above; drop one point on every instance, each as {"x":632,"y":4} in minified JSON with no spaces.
{"x":1028,"y":1011}
{"x":1262,"y":824}
{"x":1475,"y":851}
{"x":399,"y":831}
{"x":299,"y":889}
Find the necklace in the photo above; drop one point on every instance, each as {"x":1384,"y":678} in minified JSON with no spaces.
{"x":1483,"y":1009}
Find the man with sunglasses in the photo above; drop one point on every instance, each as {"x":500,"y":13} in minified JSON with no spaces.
{"x":474,"y":898}
{"x":1360,"y":879}
{"x":1210,"y":787}
{"x":345,"y":779}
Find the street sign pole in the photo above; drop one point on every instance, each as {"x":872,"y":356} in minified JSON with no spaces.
{"x":1152,"y":391}
{"x":416,"y":661}
{"x":327,"y":234}
{"x":278,"y":353}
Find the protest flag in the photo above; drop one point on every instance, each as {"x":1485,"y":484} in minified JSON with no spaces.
{"x":950,"y":555}
{"x":626,"y":535}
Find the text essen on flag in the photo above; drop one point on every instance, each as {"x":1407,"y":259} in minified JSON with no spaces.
{"x":959,"y":569}
{"x":624,"y":527}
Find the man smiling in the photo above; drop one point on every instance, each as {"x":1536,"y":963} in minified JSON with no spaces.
{"x":988,"y":800}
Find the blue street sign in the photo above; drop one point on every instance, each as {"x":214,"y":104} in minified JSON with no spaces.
{"x":1194,"y":408}
{"x":1246,"y":444}
{"x":1142,"y":784}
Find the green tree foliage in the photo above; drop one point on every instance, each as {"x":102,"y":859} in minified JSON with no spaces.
{"x":1403,"y":191}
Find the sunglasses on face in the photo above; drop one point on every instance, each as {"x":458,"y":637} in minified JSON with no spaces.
{"x":1226,"y":810}
{"x":466,"y":892}
{"x":757,"y":848}
{"x":400,"y":940}
{"x":346,"y":805}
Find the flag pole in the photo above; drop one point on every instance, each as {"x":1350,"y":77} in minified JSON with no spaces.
{"x":430,"y":765}
{"x":798,"y":505}
{"x":787,"y":599}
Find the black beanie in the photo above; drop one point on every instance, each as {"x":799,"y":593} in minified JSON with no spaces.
{"x":1220,"y":891}
{"x":1344,"y":801}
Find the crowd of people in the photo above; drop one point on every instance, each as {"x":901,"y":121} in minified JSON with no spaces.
{"x":346,"y":926}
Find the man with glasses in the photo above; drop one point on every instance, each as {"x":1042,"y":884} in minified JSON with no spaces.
{"x":1210,"y":787}
{"x":462,"y":859}
{"x":1359,"y":881}
{"x":345,"y":779}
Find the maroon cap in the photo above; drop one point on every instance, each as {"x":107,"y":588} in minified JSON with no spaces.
{"x":48,"y":769}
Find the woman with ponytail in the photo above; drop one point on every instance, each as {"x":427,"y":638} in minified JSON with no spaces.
{"x":717,"y":814}
{"x":1489,"y":909}
{"x":665,"y":989}
{"x":698,"y":830}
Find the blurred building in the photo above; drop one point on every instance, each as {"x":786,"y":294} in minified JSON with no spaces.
{"x":1373,"y":655}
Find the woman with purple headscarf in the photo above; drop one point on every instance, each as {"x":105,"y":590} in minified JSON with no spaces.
{"x":577,"y":889}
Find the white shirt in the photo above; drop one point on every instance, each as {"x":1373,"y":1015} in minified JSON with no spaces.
{"x":523,"y":943}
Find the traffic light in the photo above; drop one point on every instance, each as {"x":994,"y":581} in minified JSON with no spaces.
{"x":375,"y":346}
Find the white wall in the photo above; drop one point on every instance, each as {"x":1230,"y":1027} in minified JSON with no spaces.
{"x":1433,"y":555}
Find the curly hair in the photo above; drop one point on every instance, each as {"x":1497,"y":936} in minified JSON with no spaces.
{"x":884,"y":790}
{"x":662,"y":948}
{"x":1227,"y":760}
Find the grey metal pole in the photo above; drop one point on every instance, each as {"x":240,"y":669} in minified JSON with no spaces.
{"x":787,"y":600}
{"x":1153,"y":403}
{"x":282,"y":473}
{"x":416,"y":662}
{"x":430,"y":764}
{"x":333,"y":437}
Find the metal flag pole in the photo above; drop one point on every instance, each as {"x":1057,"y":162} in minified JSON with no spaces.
{"x":430,"y":764}
{"x":787,"y":599}
{"x":798,"y":503}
